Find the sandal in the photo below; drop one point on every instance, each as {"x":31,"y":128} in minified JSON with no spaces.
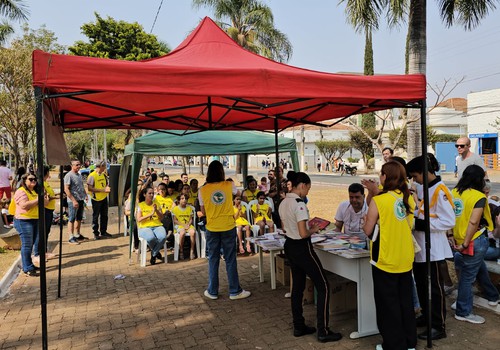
{"x":249,"y":249}
{"x":242,"y":251}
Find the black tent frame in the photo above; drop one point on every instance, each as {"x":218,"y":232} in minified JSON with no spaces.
{"x":254,"y":108}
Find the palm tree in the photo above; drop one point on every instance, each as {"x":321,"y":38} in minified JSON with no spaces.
{"x":13,"y":10}
{"x":251,"y":24}
{"x":467,"y":13}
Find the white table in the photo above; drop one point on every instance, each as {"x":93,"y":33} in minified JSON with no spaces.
{"x":359,"y":271}
{"x":272,"y":257}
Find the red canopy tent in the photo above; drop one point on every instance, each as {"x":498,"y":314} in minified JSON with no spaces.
{"x":208,"y":82}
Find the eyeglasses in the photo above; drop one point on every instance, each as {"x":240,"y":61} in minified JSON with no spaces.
{"x":460,"y":146}
{"x":32,"y":179}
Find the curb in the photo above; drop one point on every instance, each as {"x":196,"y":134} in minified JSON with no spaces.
{"x":10,"y":277}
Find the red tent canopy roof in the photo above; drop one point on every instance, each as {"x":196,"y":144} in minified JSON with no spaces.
{"x":208,"y":82}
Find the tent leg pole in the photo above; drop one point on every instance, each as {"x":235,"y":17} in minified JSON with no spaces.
{"x":61,"y":228}
{"x":41,"y":218}
{"x":276,"y":170}
{"x":423,"y":124}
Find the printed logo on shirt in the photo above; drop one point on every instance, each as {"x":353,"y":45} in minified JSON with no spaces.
{"x":459,"y":206}
{"x":218,"y":197}
{"x":399,"y":209}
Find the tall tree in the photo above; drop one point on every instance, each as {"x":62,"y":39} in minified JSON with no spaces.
{"x":14,"y":10}
{"x":17,"y":102}
{"x":251,"y":24}
{"x":467,"y":13}
{"x":119,"y":40}
{"x":332,"y":150}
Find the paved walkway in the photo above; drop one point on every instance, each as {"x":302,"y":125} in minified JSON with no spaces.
{"x":162,"y":307}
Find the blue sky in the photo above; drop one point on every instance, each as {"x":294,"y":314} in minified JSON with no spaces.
{"x":317,"y":29}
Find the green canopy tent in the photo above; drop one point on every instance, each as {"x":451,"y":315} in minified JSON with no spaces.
{"x":211,"y":142}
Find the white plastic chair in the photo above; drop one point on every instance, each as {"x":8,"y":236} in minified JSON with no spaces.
{"x":143,"y":249}
{"x":255,"y":228}
{"x":177,"y":236}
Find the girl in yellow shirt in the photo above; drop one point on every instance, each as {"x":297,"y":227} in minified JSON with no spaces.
{"x":242,"y":224}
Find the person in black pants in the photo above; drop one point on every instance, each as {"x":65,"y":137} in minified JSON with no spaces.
{"x":303,"y":260}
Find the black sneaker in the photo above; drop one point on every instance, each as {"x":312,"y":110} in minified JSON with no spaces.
{"x":31,"y":273}
{"x":73,"y":240}
{"x":96,"y":237}
{"x":304,"y":330}
{"x":106,"y":235}
{"x":329,"y":336}
{"x":81,"y":238}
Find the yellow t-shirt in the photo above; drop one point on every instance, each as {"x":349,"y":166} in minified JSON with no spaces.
{"x":30,"y":213}
{"x":100,"y":182}
{"x":393,"y":250}
{"x":241,"y":220}
{"x":217,"y":200}
{"x":183,"y":215}
{"x":52,"y":203}
{"x":146,"y":210}
{"x":464,"y":205}
{"x":250,"y":195}
{"x":262,"y":212}
{"x":164,"y":203}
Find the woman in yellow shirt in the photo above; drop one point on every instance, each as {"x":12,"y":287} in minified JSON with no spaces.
{"x":149,"y":218}
{"x":215,"y":198}
{"x":26,"y":220}
{"x":392,"y":256}
{"x":49,"y":214}
{"x":470,"y":241}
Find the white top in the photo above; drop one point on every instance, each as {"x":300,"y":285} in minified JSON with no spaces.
{"x":291,"y":212}
{"x":353,"y":222}
{"x":464,"y":163}
{"x":444,"y":220}
{"x":5,"y":176}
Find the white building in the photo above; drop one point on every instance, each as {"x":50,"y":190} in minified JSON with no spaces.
{"x":483,"y":112}
{"x":449,"y":117}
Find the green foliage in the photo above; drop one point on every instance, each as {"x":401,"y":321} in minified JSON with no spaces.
{"x":362,"y":143}
{"x":432,"y":137}
{"x":443,"y":138}
{"x":250,"y":23}
{"x":332,"y":150}
{"x":352,"y":160}
{"x":12,"y":10}
{"x":17,"y":102}
{"x":369,"y":68}
{"x":121,"y":40}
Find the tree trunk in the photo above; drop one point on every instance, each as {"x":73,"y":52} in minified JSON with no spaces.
{"x":238,"y":164}
{"x":417,"y":60}
{"x":201,"y":165}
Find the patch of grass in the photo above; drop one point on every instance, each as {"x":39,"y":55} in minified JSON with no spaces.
{"x":7,"y":258}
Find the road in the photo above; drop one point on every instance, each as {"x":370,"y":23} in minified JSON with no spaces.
{"x":328,"y":179}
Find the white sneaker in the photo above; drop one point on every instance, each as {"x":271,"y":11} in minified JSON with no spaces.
{"x":379,"y":347}
{"x":210,"y":296}
{"x":476,"y":319}
{"x":454,"y":306}
{"x":493,"y":303}
{"x":244,"y":294}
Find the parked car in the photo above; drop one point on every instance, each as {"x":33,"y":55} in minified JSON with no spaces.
{"x":86,"y":171}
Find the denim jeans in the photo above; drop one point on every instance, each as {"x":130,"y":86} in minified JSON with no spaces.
{"x":471,"y":268}
{"x":28,"y":232}
{"x":75,"y":214}
{"x":49,"y":214}
{"x":227,"y":241}
{"x":492,"y":253}
{"x":155,"y":236}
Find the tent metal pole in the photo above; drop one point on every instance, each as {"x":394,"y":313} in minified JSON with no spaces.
{"x":41,"y":216}
{"x":423,"y":124}
{"x":276,"y":170}
{"x":61,"y":228}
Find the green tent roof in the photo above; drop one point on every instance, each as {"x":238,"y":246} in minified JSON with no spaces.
{"x":211,"y":142}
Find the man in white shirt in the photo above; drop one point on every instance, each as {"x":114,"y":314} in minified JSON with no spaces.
{"x":350,"y":214}
{"x":466,"y":157}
